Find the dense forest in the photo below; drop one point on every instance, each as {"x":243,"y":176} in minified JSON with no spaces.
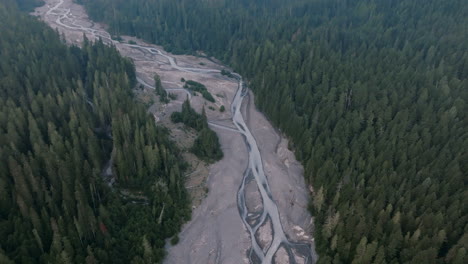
{"x":373,"y":95}
{"x":86,"y":176}
{"x":28,"y":5}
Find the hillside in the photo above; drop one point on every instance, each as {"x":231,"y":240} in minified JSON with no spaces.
{"x":86,"y":176}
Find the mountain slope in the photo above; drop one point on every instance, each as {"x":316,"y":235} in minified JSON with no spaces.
{"x":65,"y":113}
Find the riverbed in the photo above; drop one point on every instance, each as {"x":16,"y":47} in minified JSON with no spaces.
{"x":255,"y":207}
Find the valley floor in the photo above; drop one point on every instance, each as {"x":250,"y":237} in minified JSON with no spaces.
{"x":216,"y":233}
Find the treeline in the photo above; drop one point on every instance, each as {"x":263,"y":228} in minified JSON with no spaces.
{"x":65,"y":113}
{"x":206,"y":146}
{"x":372,"y":93}
{"x":182,"y":26}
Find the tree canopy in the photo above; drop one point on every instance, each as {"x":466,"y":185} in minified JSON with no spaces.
{"x":69,"y":128}
{"x":372,"y":93}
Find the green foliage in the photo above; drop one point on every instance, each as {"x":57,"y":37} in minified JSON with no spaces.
{"x":159,"y":89}
{"x":29,"y":5}
{"x":172,"y":96}
{"x":175,"y":240}
{"x":206,"y":145}
{"x":226,"y":73}
{"x":198,"y":87}
{"x":189,"y":117}
{"x":372,"y":93}
{"x":66,"y":112}
{"x":222,"y":109}
{"x":117,"y":37}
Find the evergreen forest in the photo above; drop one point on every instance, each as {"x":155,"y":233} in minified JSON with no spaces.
{"x":373,"y":95}
{"x":86,"y":176}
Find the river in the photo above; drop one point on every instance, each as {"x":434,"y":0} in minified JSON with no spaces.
{"x":267,"y":212}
